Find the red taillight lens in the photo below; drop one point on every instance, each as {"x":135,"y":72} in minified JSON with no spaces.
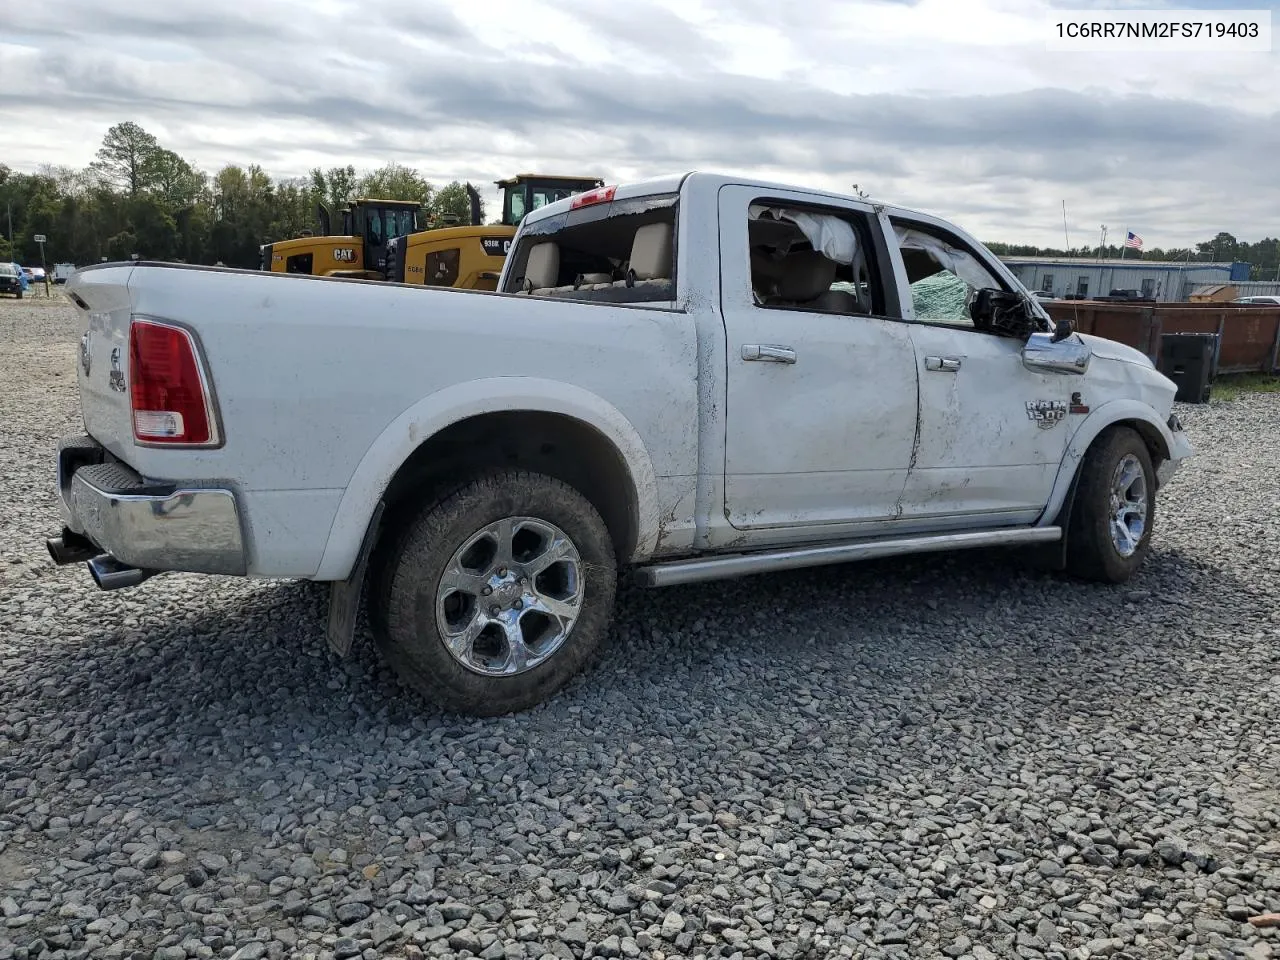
{"x":166,"y":392}
{"x":602,"y":195}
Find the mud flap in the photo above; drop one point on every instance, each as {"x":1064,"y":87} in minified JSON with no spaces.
{"x":344,"y":595}
{"x":1053,"y":556}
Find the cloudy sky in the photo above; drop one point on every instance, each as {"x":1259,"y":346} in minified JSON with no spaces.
{"x":953,"y":106}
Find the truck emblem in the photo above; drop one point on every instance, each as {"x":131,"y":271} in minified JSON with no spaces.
{"x":344,"y":254}
{"x":117,"y":373}
{"x":86,"y":352}
{"x":1046,"y":413}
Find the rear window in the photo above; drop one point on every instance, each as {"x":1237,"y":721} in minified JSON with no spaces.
{"x":619,"y":252}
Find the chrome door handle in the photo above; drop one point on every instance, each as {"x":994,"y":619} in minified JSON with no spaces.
{"x":771,"y":352}
{"x":946,"y":364}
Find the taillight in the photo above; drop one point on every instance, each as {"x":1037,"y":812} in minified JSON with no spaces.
{"x":601,"y":195}
{"x":170,"y":400}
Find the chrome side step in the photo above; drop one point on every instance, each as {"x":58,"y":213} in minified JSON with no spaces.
{"x":771,"y":561}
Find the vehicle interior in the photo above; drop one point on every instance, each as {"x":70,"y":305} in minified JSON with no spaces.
{"x":802,"y":260}
{"x":626,"y":258}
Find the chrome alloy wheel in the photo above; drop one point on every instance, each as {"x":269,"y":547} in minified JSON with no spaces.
{"x":509,"y":596}
{"x":1128,"y":505}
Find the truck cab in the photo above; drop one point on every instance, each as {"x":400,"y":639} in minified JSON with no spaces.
{"x":532,"y":191}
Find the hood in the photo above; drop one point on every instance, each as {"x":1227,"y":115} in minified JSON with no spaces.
{"x":1111,"y":350}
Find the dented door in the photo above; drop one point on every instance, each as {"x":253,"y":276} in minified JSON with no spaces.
{"x":821,"y":408}
{"x":992,"y":432}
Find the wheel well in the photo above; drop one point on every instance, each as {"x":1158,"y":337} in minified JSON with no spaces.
{"x":557,"y":445}
{"x":1150,"y":436}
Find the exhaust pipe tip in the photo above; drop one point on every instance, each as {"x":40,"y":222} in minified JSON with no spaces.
{"x":110,"y":574}
{"x":70,"y":547}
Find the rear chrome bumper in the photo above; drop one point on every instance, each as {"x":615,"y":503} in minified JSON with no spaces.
{"x":151,"y":525}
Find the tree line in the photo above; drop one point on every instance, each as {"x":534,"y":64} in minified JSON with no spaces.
{"x":1264,"y":255}
{"x":137,"y":197}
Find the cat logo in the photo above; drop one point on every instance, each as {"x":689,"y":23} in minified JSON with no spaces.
{"x":344,"y":254}
{"x":1046,"y":413}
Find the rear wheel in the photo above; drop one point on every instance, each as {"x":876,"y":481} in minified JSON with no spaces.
{"x":1114,"y":511}
{"x":491,"y":599}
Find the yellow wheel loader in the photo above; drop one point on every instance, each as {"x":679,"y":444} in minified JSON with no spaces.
{"x":389,"y":240}
{"x":360,"y":250}
{"x":471,"y":256}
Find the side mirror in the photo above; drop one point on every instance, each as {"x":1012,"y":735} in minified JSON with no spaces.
{"x":1002,"y":313}
{"x":1051,"y":353}
{"x":1061,"y":330}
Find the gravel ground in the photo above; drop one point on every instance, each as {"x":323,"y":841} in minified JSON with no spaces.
{"x":932,"y":758}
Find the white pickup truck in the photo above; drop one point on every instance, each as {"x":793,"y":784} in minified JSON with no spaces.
{"x":692,"y":377}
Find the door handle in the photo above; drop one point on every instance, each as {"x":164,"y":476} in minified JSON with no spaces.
{"x":770,"y":352}
{"x":944,"y":364}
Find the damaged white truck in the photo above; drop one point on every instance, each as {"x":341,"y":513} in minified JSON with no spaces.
{"x":689,"y":378}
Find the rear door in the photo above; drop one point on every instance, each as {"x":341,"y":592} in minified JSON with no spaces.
{"x":821,"y":405}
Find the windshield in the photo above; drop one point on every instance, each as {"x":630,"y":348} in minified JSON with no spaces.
{"x":8,"y":270}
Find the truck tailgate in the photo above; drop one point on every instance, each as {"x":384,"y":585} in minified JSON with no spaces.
{"x":101,"y":299}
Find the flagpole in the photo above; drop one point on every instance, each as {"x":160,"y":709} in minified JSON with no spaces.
{"x":1124,"y":246}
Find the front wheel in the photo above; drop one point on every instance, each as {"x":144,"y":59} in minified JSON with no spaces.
{"x":491,"y":599}
{"x":1114,"y":510}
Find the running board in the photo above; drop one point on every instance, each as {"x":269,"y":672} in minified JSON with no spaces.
{"x":771,"y":561}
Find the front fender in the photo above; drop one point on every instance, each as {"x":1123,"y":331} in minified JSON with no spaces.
{"x":1173,"y":447}
{"x":448,"y":406}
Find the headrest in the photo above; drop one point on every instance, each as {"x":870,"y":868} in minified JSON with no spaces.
{"x":542,"y":268}
{"x":807,"y":274}
{"x":651,"y":252}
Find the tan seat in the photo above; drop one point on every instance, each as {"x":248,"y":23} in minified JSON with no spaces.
{"x":650,"y":263}
{"x":541,"y":268}
{"x":806,"y":275}
{"x":837,"y":301}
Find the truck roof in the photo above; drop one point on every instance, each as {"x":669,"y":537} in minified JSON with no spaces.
{"x":672,"y":183}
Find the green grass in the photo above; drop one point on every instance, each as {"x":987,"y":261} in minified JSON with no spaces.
{"x":1233,"y":386}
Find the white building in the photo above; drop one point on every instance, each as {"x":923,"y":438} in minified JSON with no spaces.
{"x":1090,"y":277}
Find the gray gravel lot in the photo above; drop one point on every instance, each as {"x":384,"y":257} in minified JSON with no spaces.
{"x":942,"y":757}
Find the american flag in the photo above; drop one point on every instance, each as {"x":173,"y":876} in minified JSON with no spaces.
{"x":1133,"y":240}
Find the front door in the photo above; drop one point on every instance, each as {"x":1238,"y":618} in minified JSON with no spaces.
{"x":821,"y":404}
{"x":992,"y":432}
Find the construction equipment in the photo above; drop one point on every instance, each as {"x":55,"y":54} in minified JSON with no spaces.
{"x":390,"y":240}
{"x":471,"y":256}
{"x":358,"y":251}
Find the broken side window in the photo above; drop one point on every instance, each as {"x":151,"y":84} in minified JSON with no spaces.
{"x":810,"y":259}
{"x":944,"y":278}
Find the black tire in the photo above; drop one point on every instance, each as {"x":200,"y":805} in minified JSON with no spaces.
{"x":1091,"y":551}
{"x":19,"y":294}
{"x":410,"y":561}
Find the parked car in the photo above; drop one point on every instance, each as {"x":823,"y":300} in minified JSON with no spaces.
{"x":1044,"y":295}
{"x":1126,"y":296}
{"x":11,"y":280}
{"x":689,"y":378}
{"x":1259,"y":301}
